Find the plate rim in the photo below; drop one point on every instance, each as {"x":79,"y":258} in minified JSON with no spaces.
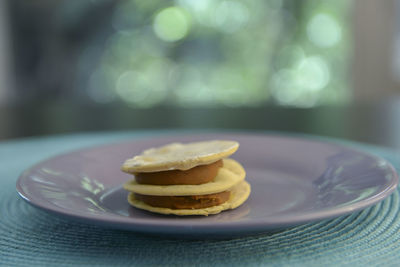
{"x":219,"y":228}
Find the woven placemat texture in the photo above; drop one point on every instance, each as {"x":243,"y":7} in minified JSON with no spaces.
{"x":31,"y":237}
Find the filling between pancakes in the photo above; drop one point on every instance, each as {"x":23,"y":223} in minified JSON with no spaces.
{"x":194,"y":176}
{"x":185,"y":202}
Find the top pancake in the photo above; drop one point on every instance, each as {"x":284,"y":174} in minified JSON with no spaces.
{"x":178,"y":156}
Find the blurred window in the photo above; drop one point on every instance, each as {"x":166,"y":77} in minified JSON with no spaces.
{"x":186,"y":52}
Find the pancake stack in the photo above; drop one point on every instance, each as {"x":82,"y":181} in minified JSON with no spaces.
{"x":187,"y":179}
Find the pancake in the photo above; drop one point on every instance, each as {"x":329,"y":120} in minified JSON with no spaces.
{"x":178,"y":156}
{"x":238,"y":196}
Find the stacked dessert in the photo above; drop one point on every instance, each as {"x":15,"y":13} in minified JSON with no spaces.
{"x":187,"y":179}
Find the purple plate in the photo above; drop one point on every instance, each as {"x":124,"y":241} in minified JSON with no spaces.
{"x":294,"y":181}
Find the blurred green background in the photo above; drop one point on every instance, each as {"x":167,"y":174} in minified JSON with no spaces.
{"x":183,"y":53}
{"x":234,"y":53}
{"x":321,"y":67}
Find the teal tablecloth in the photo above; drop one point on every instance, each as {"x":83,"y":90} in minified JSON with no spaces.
{"x":30,"y":237}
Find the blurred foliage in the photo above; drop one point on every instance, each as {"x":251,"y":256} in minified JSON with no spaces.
{"x":224,"y":52}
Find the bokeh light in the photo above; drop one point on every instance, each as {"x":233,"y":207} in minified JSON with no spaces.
{"x":172,"y":24}
{"x":300,"y":85}
{"x":323,"y":30}
{"x":313,"y":73}
{"x":230,"y":16}
{"x":136,"y":88}
{"x":224,"y":53}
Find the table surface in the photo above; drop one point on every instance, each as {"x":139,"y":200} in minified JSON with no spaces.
{"x":31,"y":237}
{"x":377,"y":123}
